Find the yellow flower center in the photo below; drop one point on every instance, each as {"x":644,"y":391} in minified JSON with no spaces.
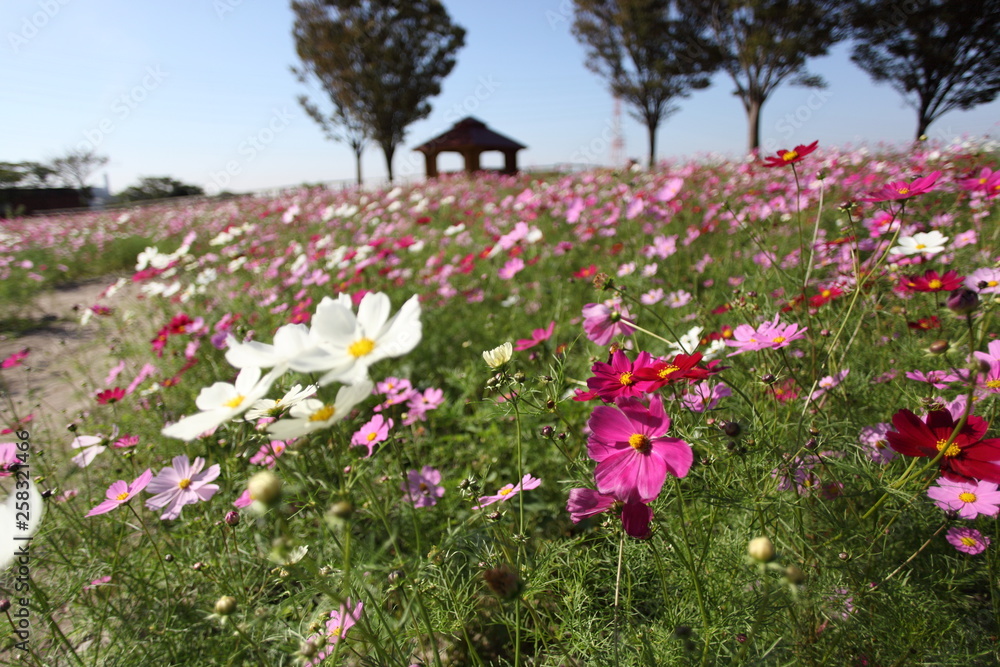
{"x":920,"y":246}
{"x":967,"y":497}
{"x":993,"y":384}
{"x":234,"y":402}
{"x":778,"y":339}
{"x":668,"y":370}
{"x":639,"y":442}
{"x":361,"y":347}
{"x":934,"y":284}
{"x":322,"y":414}
{"x":184,"y":483}
{"x":371,"y":436}
{"x":903,"y":190}
{"x":968,"y":541}
{"x":625,"y":379}
{"x":982,"y":181}
{"x":992,"y":283}
{"x":825,"y":293}
{"x":336,"y":631}
{"x":505,"y":491}
{"x":953,"y":449}
{"x":789,"y":156}
{"x":122,"y":496}
{"x":881,"y":444}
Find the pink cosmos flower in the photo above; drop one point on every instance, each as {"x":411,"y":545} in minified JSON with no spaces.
{"x":511,"y":268}
{"x":419,"y":404}
{"x":705,"y":396}
{"x":393,"y":386}
{"x":423,"y":487}
{"x":340,"y":622}
{"x":372,"y":433}
{"x":769,"y":335}
{"x":988,"y":182}
{"x":509,"y":491}
{"x":636,"y":516}
{"x":126,"y":441}
{"x":268,"y":454}
{"x":603,"y":321}
{"x":114,"y":372}
{"x":181,"y":484}
{"x":967,"y":540}
{"x":121,"y":492}
{"x":874,"y":436}
{"x":632,"y":452}
{"x":899,"y":190}
{"x":15,"y":359}
{"x":618,"y":378}
{"x":984,"y":281}
{"x":538,"y":336}
{"x":829,"y":382}
{"x":8,"y":458}
{"x":110,"y":395}
{"x":90,"y":446}
{"x":968,"y":498}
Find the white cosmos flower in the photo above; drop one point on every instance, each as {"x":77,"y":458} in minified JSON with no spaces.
{"x":348,"y":344}
{"x":314,"y":415}
{"x":290,"y":341}
{"x":222,"y":402}
{"x":921,"y":243}
{"x":498,"y":356}
{"x":267,"y":407}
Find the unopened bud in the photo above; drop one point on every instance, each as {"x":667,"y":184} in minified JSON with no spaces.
{"x":232,"y":517}
{"x":761,"y":549}
{"x":264,"y":487}
{"x":732,"y":429}
{"x":962,"y":301}
{"x":794,"y":574}
{"x":939,"y":347}
{"x":225,"y":605}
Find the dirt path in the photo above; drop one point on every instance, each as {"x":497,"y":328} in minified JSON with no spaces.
{"x":51,"y":385}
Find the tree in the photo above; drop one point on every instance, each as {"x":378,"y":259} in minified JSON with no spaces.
{"x":379,"y":61}
{"x":939,"y":54}
{"x":767,"y":42}
{"x":651,"y":52}
{"x":158,"y":187}
{"x":76,"y":167}
{"x":25,"y":174}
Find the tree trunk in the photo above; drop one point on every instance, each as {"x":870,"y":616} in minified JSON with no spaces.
{"x":357,"y":165}
{"x":388,"y":150}
{"x":923,"y":122}
{"x":652,"y":143}
{"x":753,"y":125}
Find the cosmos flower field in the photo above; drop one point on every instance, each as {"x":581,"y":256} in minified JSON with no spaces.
{"x":714,"y":413}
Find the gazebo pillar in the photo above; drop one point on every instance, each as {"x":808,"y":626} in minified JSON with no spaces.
{"x":510,"y":161}
{"x":431,"y":164}
{"x":471,"y":160}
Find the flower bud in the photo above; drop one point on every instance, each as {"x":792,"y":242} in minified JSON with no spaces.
{"x":264,"y":487}
{"x":503,"y":582}
{"x":939,"y":347}
{"x":962,"y":301}
{"x":794,"y":574}
{"x":4,"y":605}
{"x":732,"y":429}
{"x":225,"y":605}
{"x":341,"y":509}
{"x":761,"y":549}
{"x":232,"y":517}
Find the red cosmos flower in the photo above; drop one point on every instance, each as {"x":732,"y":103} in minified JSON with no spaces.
{"x":925,"y":323}
{"x":617,"y":378}
{"x":825,"y":296}
{"x":110,"y":395}
{"x":898,"y":190}
{"x":179,"y":324}
{"x":931,"y":281}
{"x":665,"y":371}
{"x":586,"y":272}
{"x":783,"y":157}
{"x":968,"y":457}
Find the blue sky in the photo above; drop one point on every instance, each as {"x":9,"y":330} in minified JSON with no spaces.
{"x":202,"y":90}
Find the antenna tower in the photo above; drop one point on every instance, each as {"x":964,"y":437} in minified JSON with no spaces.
{"x":617,"y":141}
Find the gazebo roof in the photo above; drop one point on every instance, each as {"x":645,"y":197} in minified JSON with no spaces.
{"x":469,"y":133}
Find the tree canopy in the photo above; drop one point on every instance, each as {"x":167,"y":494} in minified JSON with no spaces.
{"x":651,"y":52}
{"x":158,"y":187}
{"x":767,"y":42}
{"x":939,"y":54}
{"x":379,"y":62}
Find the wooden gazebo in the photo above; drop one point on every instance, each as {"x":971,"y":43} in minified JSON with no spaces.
{"x":470,"y":137}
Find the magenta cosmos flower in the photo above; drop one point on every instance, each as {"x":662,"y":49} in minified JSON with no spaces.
{"x":969,"y":499}
{"x":121,"y":492}
{"x":180,"y":484}
{"x":618,"y":377}
{"x":423,"y":487}
{"x":633,"y":455}
{"x":967,"y":540}
{"x":898,"y":190}
{"x":636,"y":516}
{"x":604,"y":321}
{"x":509,"y":491}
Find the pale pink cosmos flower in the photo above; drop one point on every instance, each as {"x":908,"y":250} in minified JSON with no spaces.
{"x":341,"y":620}
{"x":182,"y":483}
{"x":423,"y":487}
{"x":829,"y":382}
{"x":121,"y":492}
{"x":769,"y":335}
{"x":679,"y":298}
{"x":968,"y":498}
{"x":538,"y":336}
{"x":879,"y":449}
{"x":705,"y":396}
{"x":90,"y":446}
{"x":632,"y":451}
{"x":511,"y":268}
{"x":419,"y":404}
{"x":653,"y":296}
{"x":268,"y":454}
{"x":603,"y":321}
{"x":372,"y":433}
{"x":984,"y":281}
{"x":967,"y":540}
{"x":509,"y":491}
